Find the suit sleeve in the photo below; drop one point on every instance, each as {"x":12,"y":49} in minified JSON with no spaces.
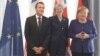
{"x":93,"y":34}
{"x":47,"y":39}
{"x":70,"y":32}
{"x":27,"y":33}
{"x":66,"y":33}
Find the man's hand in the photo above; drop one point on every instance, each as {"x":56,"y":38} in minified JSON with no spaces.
{"x":38,"y":50}
{"x":41,"y":49}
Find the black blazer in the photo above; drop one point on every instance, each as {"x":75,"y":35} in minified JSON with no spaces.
{"x":36,"y":36}
{"x":59,"y":30}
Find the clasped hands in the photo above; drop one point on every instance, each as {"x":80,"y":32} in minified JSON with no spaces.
{"x":38,"y":50}
{"x":82,"y":35}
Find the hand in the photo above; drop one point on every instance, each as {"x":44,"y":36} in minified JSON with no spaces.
{"x":68,"y":51}
{"x":41,"y":49}
{"x":79,"y":35}
{"x":85,"y":36}
{"x":36,"y":50}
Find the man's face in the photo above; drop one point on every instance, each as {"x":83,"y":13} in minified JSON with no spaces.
{"x":40,"y":9}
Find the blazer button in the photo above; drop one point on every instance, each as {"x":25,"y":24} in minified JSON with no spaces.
{"x":62,"y":28}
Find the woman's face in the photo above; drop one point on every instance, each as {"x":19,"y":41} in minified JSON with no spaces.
{"x":59,"y":11}
{"x":83,"y":14}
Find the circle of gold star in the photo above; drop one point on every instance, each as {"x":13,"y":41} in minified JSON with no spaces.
{"x":18,"y":34}
{"x":9,"y":1}
{"x":9,"y":36}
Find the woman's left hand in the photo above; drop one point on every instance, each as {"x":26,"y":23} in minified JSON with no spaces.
{"x":85,"y":36}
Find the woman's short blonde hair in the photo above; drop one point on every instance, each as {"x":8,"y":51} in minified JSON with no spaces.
{"x":57,"y":6}
{"x":82,"y":9}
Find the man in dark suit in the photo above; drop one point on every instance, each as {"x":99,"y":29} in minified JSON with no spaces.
{"x":37,"y":32}
{"x":59,"y":30}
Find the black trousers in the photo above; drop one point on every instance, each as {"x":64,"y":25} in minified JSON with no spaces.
{"x":57,"y":48}
{"x":82,"y":54}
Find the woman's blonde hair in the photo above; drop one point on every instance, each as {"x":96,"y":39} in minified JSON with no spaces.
{"x":58,"y":5}
{"x":82,"y":9}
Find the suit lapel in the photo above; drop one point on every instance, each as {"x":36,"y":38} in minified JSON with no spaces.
{"x":57,"y":20}
{"x":62,"y":23}
{"x":43,"y":22}
{"x":35,"y":23}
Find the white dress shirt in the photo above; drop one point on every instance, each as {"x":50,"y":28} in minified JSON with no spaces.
{"x":38,"y":19}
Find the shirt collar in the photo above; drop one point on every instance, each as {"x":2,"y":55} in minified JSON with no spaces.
{"x":38,"y":16}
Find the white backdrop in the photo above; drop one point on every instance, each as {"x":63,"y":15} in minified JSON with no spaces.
{"x":2,"y":10}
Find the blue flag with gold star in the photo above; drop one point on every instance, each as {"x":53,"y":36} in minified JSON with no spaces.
{"x":6,"y":38}
{"x":17,"y":34}
{"x":11,"y":43}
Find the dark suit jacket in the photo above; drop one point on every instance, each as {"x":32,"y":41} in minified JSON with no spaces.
{"x":59,"y":29}
{"x":34,"y":35}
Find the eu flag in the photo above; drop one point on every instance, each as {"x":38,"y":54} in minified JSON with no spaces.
{"x":33,"y":1}
{"x":11,"y":43}
{"x":6,"y":38}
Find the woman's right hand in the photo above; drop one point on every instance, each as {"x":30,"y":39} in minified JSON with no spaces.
{"x":79,"y":35}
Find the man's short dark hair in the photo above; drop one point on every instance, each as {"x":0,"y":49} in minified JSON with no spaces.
{"x":38,"y":3}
